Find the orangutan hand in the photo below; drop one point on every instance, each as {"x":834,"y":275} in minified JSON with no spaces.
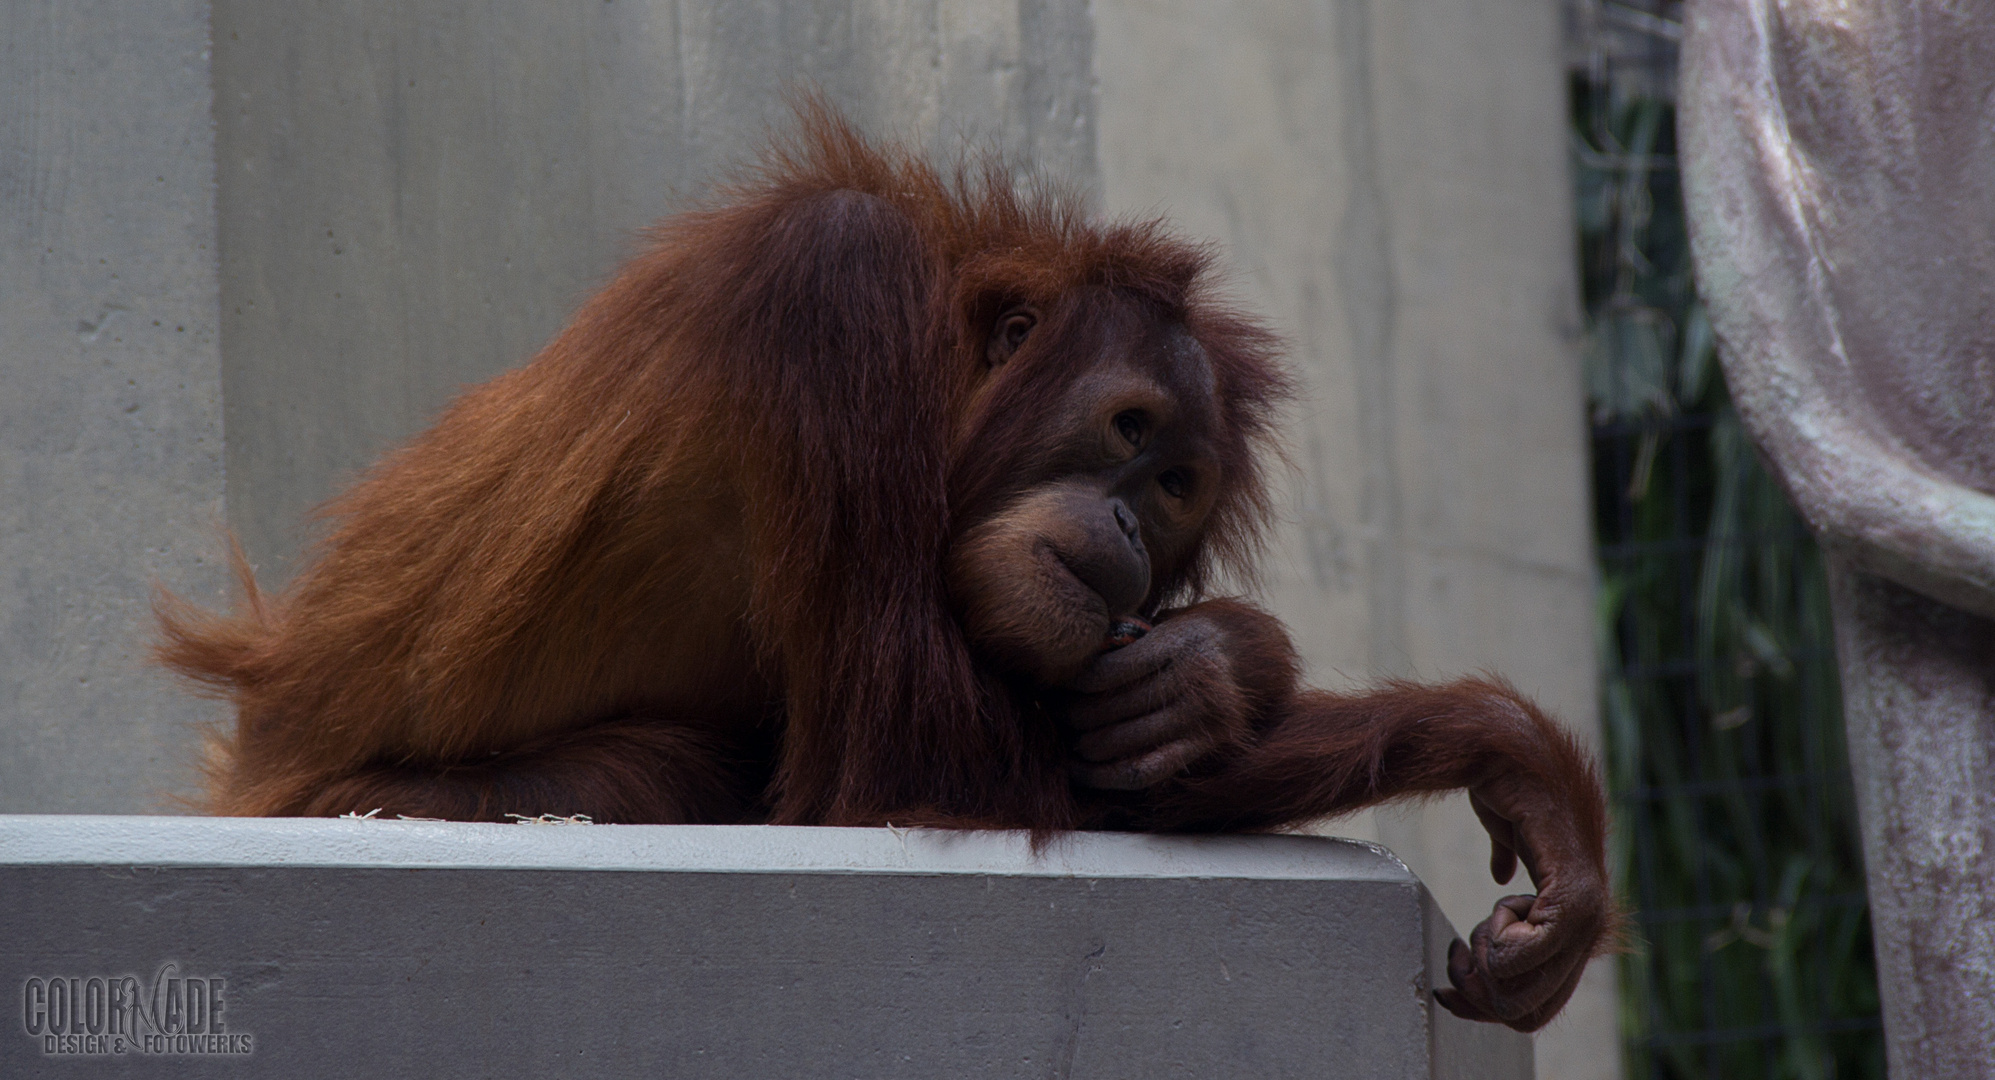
{"x":1144,"y":712}
{"x":1521,"y":964}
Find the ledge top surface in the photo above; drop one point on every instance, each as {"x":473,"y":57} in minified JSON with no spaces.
{"x":90,"y":840}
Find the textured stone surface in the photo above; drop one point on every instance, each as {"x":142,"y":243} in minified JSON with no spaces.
{"x":1840,"y":181}
{"x":746,"y":951}
{"x":1921,"y":720}
{"x":110,"y":393}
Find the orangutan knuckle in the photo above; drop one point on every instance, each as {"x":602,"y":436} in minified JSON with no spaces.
{"x":1131,"y":778}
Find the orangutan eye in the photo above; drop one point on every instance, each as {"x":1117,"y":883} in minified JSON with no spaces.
{"x":1129,"y":425}
{"x":1174,"y":483}
{"x":1015,"y":328}
{"x":1012,"y":329}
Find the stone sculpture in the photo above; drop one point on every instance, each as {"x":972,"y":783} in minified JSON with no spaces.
{"x":1839,"y":166}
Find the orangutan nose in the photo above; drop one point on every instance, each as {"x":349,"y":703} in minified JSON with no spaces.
{"x":1126,"y":521}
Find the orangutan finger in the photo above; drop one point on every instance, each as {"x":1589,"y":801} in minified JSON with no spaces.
{"x":1146,"y":770}
{"x":1138,"y":660}
{"x":1146,"y":695}
{"x":1133,"y":738}
{"x":1502,"y":840}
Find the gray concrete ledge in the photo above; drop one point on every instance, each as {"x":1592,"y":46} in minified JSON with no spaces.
{"x":375,"y":948}
{"x":330,"y":842}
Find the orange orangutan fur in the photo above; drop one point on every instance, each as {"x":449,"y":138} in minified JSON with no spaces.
{"x":694,"y":562}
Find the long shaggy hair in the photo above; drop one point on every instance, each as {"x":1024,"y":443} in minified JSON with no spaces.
{"x":795,"y":370}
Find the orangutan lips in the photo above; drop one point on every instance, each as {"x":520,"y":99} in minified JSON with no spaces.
{"x":1124,"y":632}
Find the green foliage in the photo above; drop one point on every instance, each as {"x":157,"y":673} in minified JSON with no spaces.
{"x":1736,"y":833}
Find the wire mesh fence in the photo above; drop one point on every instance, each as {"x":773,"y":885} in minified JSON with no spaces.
{"x":1736,"y":845}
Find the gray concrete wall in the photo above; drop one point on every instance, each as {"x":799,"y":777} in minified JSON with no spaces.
{"x":1388,"y":180}
{"x":110,"y":392}
{"x":740,"y":951}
